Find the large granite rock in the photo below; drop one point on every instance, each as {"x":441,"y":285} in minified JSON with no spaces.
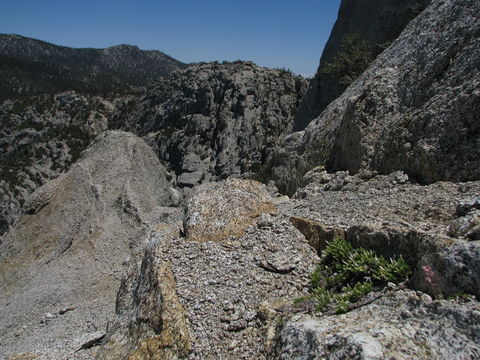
{"x":61,"y":265}
{"x":388,"y":214}
{"x":415,"y":109}
{"x":201,"y":297}
{"x":376,"y":21}
{"x":399,"y":325}
{"x":150,"y":322}
{"x":218,"y":211}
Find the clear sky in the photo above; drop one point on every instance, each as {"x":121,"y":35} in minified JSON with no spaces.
{"x":272,"y":33}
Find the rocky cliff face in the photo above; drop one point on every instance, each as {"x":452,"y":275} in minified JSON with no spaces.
{"x":375,"y":21}
{"x":215,"y":120}
{"x":29,"y":67}
{"x":415,"y":109}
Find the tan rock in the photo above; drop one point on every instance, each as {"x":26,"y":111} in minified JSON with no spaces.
{"x":317,"y":234}
{"x":24,"y":356}
{"x":174,"y":339}
{"x":151,"y":322}
{"x":217,"y":211}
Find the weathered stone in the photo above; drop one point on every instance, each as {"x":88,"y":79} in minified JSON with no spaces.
{"x":150,"y":322}
{"x":317,"y":234}
{"x":399,"y":325}
{"x":215,"y":119}
{"x":467,"y":224}
{"x":42,"y":141}
{"x":452,"y":270}
{"x":24,"y":356}
{"x":422,"y":90}
{"x":394,"y":218}
{"x":378,"y":22}
{"x":70,"y":250}
{"x":217,"y":211}
{"x":190,"y":179}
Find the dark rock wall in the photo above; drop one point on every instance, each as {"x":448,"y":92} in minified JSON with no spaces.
{"x":415,"y":109}
{"x":377,"y":21}
{"x":213,"y":120}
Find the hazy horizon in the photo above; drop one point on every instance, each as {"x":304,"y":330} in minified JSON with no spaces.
{"x":278,"y":34}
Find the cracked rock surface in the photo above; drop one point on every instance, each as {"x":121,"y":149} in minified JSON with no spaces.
{"x":414,"y":109}
{"x":227,"y":289}
{"x":402,"y":325}
{"x":60,"y":267}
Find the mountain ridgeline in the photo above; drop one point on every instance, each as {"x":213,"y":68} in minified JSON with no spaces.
{"x":30,"y":67}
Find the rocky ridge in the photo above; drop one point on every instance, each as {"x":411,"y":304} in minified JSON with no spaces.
{"x":214,"y":120}
{"x":217,"y":275}
{"x":60,"y":267}
{"x":207,"y":122}
{"x":40,"y":138}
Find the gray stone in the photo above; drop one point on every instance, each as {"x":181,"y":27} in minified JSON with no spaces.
{"x":70,"y":249}
{"x":379,"y":22}
{"x":380,"y":330}
{"x":422,"y":90}
{"x":219,"y":119}
{"x":190,"y":179}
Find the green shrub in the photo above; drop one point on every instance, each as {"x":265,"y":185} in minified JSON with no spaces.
{"x":345,"y":275}
{"x":351,"y":60}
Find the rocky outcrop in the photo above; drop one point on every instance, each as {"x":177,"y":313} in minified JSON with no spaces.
{"x":150,"y":322}
{"x":375,"y":21}
{"x":401,"y":324}
{"x":40,"y":137}
{"x":390,"y":215}
{"x":229,"y":293}
{"x":62,"y":263}
{"x":214,"y":120}
{"x":217,"y":211}
{"x":207,"y":122}
{"x":216,"y":277}
{"x":395,"y":218}
{"x":414,"y":109}
{"x":31,"y":67}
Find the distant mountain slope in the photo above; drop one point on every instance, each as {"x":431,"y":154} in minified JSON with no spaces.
{"x":30,"y":66}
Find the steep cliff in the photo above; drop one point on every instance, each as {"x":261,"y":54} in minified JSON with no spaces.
{"x":213,"y":120}
{"x":375,"y":21}
{"x":415,"y":109}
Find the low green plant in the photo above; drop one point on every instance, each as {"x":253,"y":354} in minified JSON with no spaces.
{"x":461,"y":296}
{"x":345,"y":275}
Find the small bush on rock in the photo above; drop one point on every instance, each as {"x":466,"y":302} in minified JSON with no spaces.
{"x":345,"y":275}
{"x":351,"y":60}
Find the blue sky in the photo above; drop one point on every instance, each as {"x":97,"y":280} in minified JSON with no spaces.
{"x":272,"y":33}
